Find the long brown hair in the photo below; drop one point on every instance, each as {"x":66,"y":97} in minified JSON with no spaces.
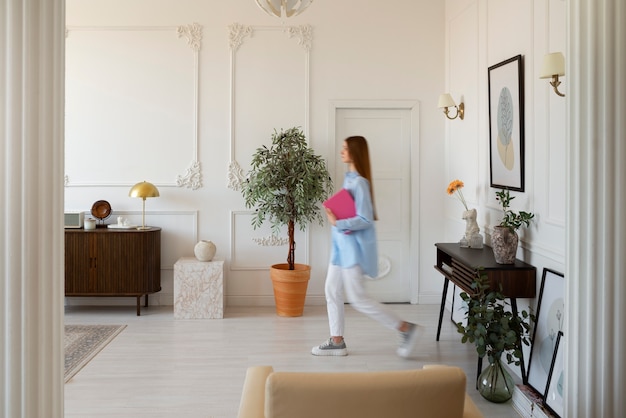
{"x":360,"y":155}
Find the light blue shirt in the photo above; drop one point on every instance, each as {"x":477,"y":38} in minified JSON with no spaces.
{"x":354,"y":239}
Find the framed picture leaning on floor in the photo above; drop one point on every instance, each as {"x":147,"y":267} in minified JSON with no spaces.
{"x":553,"y":397}
{"x":550,"y":317}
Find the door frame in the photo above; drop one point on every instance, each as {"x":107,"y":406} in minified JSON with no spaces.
{"x":413,"y":107}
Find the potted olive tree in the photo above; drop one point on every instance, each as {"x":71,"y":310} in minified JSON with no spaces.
{"x":504,"y":238}
{"x":495,"y":331}
{"x":286,"y":184}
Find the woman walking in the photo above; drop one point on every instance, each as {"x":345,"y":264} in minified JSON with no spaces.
{"x":354,"y":255}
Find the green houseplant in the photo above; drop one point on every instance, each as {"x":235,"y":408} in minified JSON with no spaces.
{"x":494,"y":331}
{"x":504,"y":238}
{"x":286,"y":184}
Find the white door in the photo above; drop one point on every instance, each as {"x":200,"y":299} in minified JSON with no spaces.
{"x":388,"y":133}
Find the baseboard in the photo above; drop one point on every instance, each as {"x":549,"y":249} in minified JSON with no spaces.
{"x":269,"y":300}
{"x":154,"y":299}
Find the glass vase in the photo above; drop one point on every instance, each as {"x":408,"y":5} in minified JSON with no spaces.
{"x":495,"y":383}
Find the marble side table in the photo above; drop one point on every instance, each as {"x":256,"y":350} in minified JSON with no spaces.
{"x":198,"y":289}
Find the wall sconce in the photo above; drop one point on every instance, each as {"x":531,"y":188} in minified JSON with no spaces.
{"x":446,"y":101}
{"x":143,"y":190}
{"x":553,"y":67}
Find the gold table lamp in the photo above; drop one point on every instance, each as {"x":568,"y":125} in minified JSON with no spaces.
{"x":143,"y":190}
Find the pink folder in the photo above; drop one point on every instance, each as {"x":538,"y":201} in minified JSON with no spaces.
{"x":342,"y":204}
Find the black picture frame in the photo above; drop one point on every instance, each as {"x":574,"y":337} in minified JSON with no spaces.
{"x":506,"y":124}
{"x":459,"y":307}
{"x":549,"y":321}
{"x":553,"y":396}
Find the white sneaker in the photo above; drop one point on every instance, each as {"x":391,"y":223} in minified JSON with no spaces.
{"x":409,"y":339}
{"x":330,"y":348}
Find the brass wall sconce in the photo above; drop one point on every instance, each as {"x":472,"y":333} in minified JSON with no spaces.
{"x":143,"y":190}
{"x":553,"y":67}
{"x":446,"y":101}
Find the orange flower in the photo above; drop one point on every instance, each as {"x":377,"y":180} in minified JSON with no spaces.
{"x":456,"y":186}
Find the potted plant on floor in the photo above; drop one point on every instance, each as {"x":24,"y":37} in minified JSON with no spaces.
{"x":495,"y":331}
{"x":286,"y":185}
{"x":504,"y":238}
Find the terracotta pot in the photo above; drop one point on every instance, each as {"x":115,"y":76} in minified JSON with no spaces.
{"x":290,"y":288}
{"x":504,"y":243}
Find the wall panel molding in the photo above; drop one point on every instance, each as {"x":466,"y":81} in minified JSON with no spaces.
{"x":238,"y":34}
{"x":156,"y":77}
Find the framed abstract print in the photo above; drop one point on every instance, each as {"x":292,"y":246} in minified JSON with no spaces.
{"x":506,"y":124}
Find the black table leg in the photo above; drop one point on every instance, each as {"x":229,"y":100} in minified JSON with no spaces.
{"x":519,"y":341}
{"x":443,"y":304}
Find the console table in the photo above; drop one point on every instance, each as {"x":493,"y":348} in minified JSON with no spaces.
{"x":461,"y":265}
{"x":113,"y":262}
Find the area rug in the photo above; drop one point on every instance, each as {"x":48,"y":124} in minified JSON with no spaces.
{"x":83,"y":342}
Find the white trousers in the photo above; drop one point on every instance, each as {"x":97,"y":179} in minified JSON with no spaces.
{"x":351,"y":281}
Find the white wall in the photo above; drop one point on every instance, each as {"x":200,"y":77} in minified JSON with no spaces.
{"x":361,"y":50}
{"x":479,"y":34}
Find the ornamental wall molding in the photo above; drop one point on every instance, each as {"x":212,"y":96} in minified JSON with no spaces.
{"x":192,"y":33}
{"x":238,"y":33}
{"x":271,"y":241}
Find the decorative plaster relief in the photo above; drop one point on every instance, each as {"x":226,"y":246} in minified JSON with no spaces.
{"x":237,"y":33}
{"x":304,"y":35}
{"x":251,"y":249}
{"x":236,"y":175}
{"x":271,"y":241}
{"x":193,"y":33}
{"x":192,"y":178}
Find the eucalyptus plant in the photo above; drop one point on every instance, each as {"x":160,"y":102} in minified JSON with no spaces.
{"x":491,"y":327}
{"x":512,"y":220}
{"x":286,"y":185}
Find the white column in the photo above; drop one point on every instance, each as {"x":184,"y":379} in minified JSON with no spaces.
{"x":596,"y":241}
{"x":32,"y":43}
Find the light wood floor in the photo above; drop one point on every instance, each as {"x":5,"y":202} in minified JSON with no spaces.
{"x":161,"y":367}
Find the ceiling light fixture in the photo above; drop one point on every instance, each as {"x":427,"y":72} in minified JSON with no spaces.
{"x":283,"y":8}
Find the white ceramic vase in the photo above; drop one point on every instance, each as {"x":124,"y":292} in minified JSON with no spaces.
{"x":472,"y":237}
{"x":204,"y":250}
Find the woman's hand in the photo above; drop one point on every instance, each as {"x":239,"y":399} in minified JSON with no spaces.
{"x":331,"y":217}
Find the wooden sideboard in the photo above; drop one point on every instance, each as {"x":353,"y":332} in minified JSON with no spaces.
{"x":113,"y":262}
{"x":460,"y":266}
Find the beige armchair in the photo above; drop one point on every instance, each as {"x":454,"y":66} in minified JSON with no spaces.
{"x":432,"y":392}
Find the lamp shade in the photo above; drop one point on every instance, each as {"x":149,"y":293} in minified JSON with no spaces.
{"x":445,"y":100}
{"x":553,"y":64}
{"x":283,"y":8}
{"x":143,"y":190}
